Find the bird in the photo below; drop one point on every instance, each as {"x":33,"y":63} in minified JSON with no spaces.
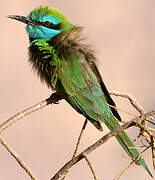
{"x":68,"y":65}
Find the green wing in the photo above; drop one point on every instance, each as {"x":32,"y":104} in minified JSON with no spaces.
{"x":83,"y":89}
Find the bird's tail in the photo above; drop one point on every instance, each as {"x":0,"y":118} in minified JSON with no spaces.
{"x":126,"y":142}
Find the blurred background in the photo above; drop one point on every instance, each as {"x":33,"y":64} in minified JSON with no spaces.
{"x":122,"y":33}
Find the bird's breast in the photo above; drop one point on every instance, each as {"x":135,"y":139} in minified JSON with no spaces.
{"x":45,"y":62}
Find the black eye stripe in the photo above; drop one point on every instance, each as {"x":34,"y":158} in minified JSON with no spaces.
{"x":50,"y":25}
{"x":55,"y":26}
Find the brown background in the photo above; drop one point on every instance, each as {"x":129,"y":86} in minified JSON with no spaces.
{"x":122,"y":33}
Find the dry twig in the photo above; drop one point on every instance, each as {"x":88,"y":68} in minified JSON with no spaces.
{"x":118,"y":176}
{"x":77,"y":145}
{"x":91,"y":166}
{"x":132,"y":100}
{"x":18,"y":159}
{"x":101,"y":141}
{"x":54,"y":98}
{"x":140,"y":109}
{"x":153,"y":150}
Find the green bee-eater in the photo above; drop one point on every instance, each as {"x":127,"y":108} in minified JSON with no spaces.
{"x":68,"y":66}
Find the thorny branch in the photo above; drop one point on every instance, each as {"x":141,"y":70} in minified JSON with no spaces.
{"x":135,"y":104}
{"x":18,"y":159}
{"x":147,"y":132}
{"x":98,"y":143}
{"x":77,"y":145}
{"x":133,"y":163}
{"x":91,"y":167}
{"x":54,"y":98}
{"x":132,"y":100}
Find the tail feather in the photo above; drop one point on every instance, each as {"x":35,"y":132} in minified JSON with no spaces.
{"x":126,"y":142}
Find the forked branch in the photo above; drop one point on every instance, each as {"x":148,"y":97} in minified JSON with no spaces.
{"x":98,"y":143}
{"x":146,"y":132}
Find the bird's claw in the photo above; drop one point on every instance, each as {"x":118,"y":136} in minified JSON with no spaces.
{"x":56,"y":102}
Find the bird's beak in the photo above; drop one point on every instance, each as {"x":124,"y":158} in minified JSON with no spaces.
{"x":23,"y":19}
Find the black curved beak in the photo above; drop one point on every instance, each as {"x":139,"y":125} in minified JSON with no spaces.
{"x":23,"y":19}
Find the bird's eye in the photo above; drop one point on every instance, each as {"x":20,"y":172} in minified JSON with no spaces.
{"x":46,"y":23}
{"x":50,"y":25}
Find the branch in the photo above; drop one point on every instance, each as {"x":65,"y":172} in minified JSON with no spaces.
{"x":133,"y":163}
{"x":132,"y":100}
{"x":77,"y":145}
{"x":54,"y":98}
{"x":18,"y":159}
{"x":91,"y":167}
{"x":98,"y":143}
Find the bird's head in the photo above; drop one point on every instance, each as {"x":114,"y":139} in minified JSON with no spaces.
{"x":44,"y":22}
